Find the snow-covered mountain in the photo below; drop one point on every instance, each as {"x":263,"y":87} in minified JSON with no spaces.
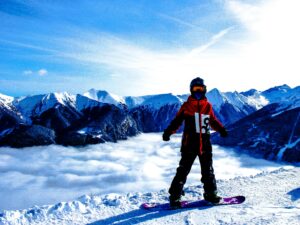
{"x":105,"y":97}
{"x":229,"y":106}
{"x":238,"y":100}
{"x":216,"y":97}
{"x":154,"y":101}
{"x":278,"y":93}
{"x":108,"y":117}
{"x":272,"y":132}
{"x":35,"y":105}
{"x":153,"y":113}
{"x":6,"y":104}
{"x":273,"y":95}
{"x":282,"y":207}
{"x":5,"y":100}
{"x":76,"y":120}
{"x":9,"y":115}
{"x":232,"y":106}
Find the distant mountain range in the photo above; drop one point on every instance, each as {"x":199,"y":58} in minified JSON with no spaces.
{"x":272,"y":131}
{"x":98,"y":116}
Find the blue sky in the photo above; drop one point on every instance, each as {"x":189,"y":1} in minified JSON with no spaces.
{"x":146,"y":47}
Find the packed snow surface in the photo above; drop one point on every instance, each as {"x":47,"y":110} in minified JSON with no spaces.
{"x":271,"y":198}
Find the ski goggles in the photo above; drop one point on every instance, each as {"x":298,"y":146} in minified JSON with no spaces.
{"x":199,"y":88}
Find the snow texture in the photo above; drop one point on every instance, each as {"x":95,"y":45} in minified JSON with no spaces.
{"x":271,"y":198}
{"x":6,"y":101}
{"x":105,"y":97}
{"x":37,"y":104}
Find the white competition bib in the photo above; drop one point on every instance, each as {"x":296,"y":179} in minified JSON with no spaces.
{"x":205,"y":128}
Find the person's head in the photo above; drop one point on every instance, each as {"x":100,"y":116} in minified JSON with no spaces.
{"x":197,"y":88}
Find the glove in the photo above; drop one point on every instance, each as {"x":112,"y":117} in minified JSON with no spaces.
{"x":166,"y":137}
{"x":223,"y":133}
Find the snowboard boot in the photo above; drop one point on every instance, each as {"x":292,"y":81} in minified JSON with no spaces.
{"x":212,"y":197}
{"x":175,"y":202}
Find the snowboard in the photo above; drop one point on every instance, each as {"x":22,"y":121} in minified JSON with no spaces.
{"x":194,"y":204}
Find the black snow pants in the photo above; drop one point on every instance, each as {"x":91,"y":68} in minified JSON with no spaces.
{"x":185,"y":165}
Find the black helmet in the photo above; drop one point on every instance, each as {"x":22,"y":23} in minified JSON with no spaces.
{"x":196,"y":82}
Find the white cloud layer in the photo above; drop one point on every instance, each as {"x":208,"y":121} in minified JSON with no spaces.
{"x":44,"y":175}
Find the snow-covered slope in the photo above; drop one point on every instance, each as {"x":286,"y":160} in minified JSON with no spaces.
{"x":6,"y":102}
{"x":238,"y":100}
{"x":271,"y":198}
{"x":4,"y":99}
{"x":244,"y":102}
{"x":83,"y":102}
{"x":277,"y":94}
{"x":229,"y":106}
{"x":9,"y":115}
{"x":105,"y":97}
{"x":233,"y":104}
{"x":272,"y":95}
{"x":37,"y":104}
{"x":269,"y":132}
{"x":216,"y":97}
{"x":154,"y":101}
{"x":257,"y":100}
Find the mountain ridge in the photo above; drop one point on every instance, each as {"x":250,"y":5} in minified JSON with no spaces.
{"x":99,"y":116}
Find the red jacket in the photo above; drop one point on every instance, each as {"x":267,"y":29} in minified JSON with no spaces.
{"x":198,"y":116}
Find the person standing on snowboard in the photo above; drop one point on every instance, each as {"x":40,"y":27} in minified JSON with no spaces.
{"x":198,"y":116}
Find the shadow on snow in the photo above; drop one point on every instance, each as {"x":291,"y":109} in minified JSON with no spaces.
{"x":141,"y":215}
{"x":295,"y":194}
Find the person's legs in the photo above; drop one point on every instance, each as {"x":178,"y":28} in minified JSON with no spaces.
{"x":185,"y":165}
{"x":208,"y":177}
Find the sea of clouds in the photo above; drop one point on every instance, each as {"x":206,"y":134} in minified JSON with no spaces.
{"x":51,"y":174}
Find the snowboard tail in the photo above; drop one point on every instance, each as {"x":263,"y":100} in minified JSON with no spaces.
{"x":195,"y":204}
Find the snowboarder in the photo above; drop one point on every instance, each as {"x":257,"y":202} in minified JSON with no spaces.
{"x":198,"y":115}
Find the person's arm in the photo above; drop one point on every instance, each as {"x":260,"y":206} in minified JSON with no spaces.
{"x":216,"y":124}
{"x":174,"y":125}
